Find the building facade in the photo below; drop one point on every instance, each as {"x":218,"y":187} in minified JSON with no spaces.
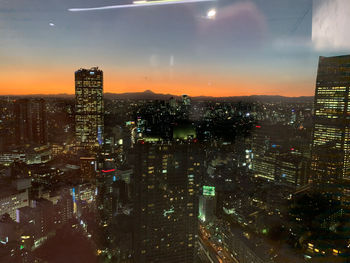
{"x":30,"y":121}
{"x":207,"y":204}
{"x":166,"y":203}
{"x":13,"y":197}
{"x":330,"y":158}
{"x":89,"y":109}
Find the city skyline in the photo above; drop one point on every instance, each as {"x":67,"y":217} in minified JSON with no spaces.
{"x":175,"y":131}
{"x":269,"y":48}
{"x":176,"y":179}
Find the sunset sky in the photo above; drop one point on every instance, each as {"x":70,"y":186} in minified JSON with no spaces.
{"x":251,"y":47}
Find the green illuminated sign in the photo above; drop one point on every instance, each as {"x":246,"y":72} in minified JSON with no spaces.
{"x":208,"y":190}
{"x":129,"y":123}
{"x":167,"y":212}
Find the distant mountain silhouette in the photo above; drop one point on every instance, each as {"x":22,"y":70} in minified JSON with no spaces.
{"x":150,"y":95}
{"x":148,"y":92}
{"x":145,"y":95}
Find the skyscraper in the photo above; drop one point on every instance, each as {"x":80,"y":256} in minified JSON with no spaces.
{"x":330,"y":158}
{"x":89,"y":110}
{"x":31,"y":121}
{"x":166,"y":202}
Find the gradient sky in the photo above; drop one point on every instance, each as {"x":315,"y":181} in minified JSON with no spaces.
{"x":251,"y":47}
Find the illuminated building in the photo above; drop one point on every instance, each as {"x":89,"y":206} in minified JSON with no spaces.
{"x":246,"y":250}
{"x":41,"y":154}
{"x":263,"y":153}
{"x":30,"y":121}
{"x":331,"y":130}
{"x":14,"y":197}
{"x":10,"y":201}
{"x":88,"y":167}
{"x":284,"y":169}
{"x":272,"y":161}
{"x":62,"y":201}
{"x":30,"y":155}
{"x":37,"y":220}
{"x":166,"y":203}
{"x":83,"y":198}
{"x":89,"y":110}
{"x":64,"y":208}
{"x":207,"y":204}
{"x":184,"y":132}
{"x":264,"y":167}
{"x":8,"y":158}
{"x":112,"y":194}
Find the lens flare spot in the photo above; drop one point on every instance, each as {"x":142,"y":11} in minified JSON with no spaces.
{"x":211,"y":14}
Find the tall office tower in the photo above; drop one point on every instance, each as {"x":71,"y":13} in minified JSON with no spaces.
{"x":165,"y":202}
{"x":330,"y":156}
{"x":31,"y":121}
{"x":330,"y":151}
{"x":89,"y":110}
{"x":207,"y":204}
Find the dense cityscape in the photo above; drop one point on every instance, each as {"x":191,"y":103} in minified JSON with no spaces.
{"x":147,"y":177}
{"x":175,"y":131}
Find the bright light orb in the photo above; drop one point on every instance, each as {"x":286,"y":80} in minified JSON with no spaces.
{"x":211,"y":14}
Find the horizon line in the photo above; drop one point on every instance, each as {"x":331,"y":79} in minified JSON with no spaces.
{"x":164,"y":94}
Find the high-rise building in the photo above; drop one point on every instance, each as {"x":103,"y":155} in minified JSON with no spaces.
{"x":330,"y":158}
{"x":31,"y":121}
{"x":89,"y":110}
{"x":207,"y":204}
{"x":166,"y":202}
{"x":272,"y":159}
{"x":14,"y":196}
{"x":88,"y":166}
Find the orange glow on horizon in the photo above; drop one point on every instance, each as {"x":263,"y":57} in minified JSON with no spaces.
{"x":58,"y":82}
